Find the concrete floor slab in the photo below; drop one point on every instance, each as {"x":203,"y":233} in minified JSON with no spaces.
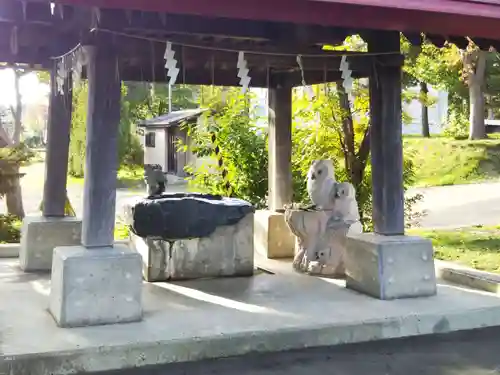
{"x":200,"y":319}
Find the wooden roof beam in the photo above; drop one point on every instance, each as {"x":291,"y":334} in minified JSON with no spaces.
{"x":229,"y":77}
{"x":160,"y":23}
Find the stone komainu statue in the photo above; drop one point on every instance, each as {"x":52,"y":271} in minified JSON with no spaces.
{"x":155,"y":179}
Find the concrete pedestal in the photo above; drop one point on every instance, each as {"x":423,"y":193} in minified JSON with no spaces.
{"x":229,"y":251}
{"x":272,"y":237}
{"x":40,"y":235}
{"x":96,"y":286}
{"x":390,"y":267}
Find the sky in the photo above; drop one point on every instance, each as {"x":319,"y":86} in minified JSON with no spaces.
{"x":32,"y":90}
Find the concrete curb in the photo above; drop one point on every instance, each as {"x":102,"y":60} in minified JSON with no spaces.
{"x":469,"y":277}
{"x":171,"y":351}
{"x":11,"y":250}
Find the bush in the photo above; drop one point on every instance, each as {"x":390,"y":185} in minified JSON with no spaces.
{"x":10,"y":229}
{"x":242,"y":148}
{"x":11,"y":159}
{"x":458,"y":125}
{"x":78,"y":131}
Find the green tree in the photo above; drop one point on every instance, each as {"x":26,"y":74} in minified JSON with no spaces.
{"x":78,"y":133}
{"x":334,"y":128}
{"x":439,"y":67}
{"x":474,"y":62}
{"x":140,"y":101}
{"x":242,"y":147}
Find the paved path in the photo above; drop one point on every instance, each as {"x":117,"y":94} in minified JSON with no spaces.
{"x":446,"y":206}
{"x":460,"y":205}
{"x":32,"y":187}
{"x":464,"y":353}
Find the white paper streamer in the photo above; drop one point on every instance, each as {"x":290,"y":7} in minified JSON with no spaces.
{"x":243,"y":72}
{"x":61,"y":75}
{"x":347,"y":80}
{"x":309,"y":89}
{"x":171,"y":64}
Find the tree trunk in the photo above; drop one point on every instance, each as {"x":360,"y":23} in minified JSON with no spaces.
{"x":476,"y":95}
{"x":17,"y":109}
{"x":424,"y":91}
{"x":355,"y":162}
{"x":14,"y":197}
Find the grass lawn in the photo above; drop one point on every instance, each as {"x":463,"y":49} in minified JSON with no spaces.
{"x":445,"y":161}
{"x":476,"y":247}
{"x":121,"y":231}
{"x":128,"y":178}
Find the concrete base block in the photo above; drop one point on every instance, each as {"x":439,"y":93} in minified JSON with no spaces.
{"x":226,"y":252}
{"x":40,"y":235}
{"x":390,"y":267}
{"x":95,"y":286}
{"x":273,"y":239}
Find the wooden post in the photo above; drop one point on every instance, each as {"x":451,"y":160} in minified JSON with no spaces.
{"x":101,"y":159}
{"x":386,"y":139}
{"x":57,"y":154}
{"x":280,"y":147}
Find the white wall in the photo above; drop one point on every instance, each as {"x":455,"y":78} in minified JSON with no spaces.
{"x":156,"y":155}
{"x":437,"y":113}
{"x":208,"y":163}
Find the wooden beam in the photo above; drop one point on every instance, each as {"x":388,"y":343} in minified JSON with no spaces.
{"x":335,"y":14}
{"x":166,"y":23}
{"x":101,"y":159}
{"x":386,"y":140}
{"x":142,"y":53}
{"x":228,"y":77}
{"x":155,"y":23}
{"x":280,"y":148}
{"x":28,"y":57}
{"x":56,"y":159}
{"x":27,"y":35}
{"x":218,"y":77}
{"x":25,"y":12}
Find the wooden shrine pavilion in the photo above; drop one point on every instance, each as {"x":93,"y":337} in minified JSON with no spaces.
{"x":124,"y":40}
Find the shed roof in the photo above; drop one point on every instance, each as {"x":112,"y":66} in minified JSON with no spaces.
{"x":173,"y":118}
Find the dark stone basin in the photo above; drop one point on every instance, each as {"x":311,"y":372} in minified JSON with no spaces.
{"x":185,"y":215}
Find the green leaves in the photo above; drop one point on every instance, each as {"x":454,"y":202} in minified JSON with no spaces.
{"x":241,"y":142}
{"x":326,"y":129}
{"x":11,"y":158}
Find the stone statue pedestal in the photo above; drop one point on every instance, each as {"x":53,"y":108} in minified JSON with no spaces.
{"x":321,"y":234}
{"x":321,"y":239}
{"x":272,"y":237}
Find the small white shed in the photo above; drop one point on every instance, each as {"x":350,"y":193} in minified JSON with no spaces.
{"x":160,"y":137}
